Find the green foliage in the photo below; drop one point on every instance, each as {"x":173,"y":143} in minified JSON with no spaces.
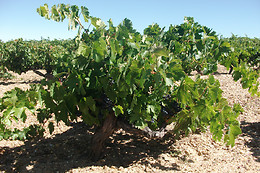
{"x":243,"y":60}
{"x":21,"y":56}
{"x":4,"y":74}
{"x":153,"y":30}
{"x":205,"y":107}
{"x":13,"y":105}
{"x":115,"y":69}
{"x":197,"y":46}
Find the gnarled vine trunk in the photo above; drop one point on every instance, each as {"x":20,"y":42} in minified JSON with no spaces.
{"x":98,"y":140}
{"x":112,"y":123}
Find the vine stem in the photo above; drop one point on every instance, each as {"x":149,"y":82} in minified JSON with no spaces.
{"x":79,"y":22}
{"x":203,"y":92}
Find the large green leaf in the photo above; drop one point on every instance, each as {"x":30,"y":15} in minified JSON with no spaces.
{"x":233,"y":132}
{"x":85,"y":13}
{"x":44,"y":11}
{"x":83,"y":49}
{"x":55,"y":14}
{"x":99,"y":49}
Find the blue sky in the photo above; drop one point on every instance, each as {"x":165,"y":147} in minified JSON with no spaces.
{"x":19,"y":18}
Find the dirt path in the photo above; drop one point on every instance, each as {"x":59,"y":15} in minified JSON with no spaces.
{"x":67,"y":150}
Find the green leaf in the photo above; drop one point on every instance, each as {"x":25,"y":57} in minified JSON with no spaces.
{"x":225,"y":44}
{"x":133,"y":45}
{"x":11,"y":96}
{"x":8,"y":112}
{"x":160,"y":52}
{"x":84,"y":107}
{"x":150,"y":109}
{"x":44,"y":11}
{"x":113,"y":50}
{"x":237,"y":75}
{"x":99,"y":49}
{"x":55,"y":14}
{"x":20,"y":113}
{"x":97,"y":22}
{"x":157,"y":78}
{"x":118,"y":110}
{"x":237,"y":108}
{"x":233,"y":132}
{"x":21,"y":135}
{"x":168,"y":82}
{"x":85,"y":13}
{"x":63,"y":11}
{"x":90,"y":102}
{"x":6,"y":121}
{"x":176,"y":70}
{"x":71,"y":102}
{"x":72,"y":24}
{"x":61,"y":112}
{"x":211,"y":79}
{"x":83,"y":49}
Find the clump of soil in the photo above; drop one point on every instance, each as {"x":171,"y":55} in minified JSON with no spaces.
{"x":67,"y":149}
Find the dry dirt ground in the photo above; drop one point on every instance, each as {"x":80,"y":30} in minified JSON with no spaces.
{"x":67,"y":149}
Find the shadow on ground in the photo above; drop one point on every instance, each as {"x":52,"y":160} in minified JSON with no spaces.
{"x":6,"y":83}
{"x":71,"y":149}
{"x":252,"y":130}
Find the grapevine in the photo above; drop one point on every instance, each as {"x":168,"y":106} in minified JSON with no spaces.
{"x":243,"y":60}
{"x":114,"y":77}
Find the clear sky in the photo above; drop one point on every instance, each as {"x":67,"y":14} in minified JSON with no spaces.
{"x":19,"y":18}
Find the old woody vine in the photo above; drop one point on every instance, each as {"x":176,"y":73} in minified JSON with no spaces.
{"x":114,"y":77}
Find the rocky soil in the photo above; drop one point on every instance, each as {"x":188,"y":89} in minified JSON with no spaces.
{"x":68,"y":148}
